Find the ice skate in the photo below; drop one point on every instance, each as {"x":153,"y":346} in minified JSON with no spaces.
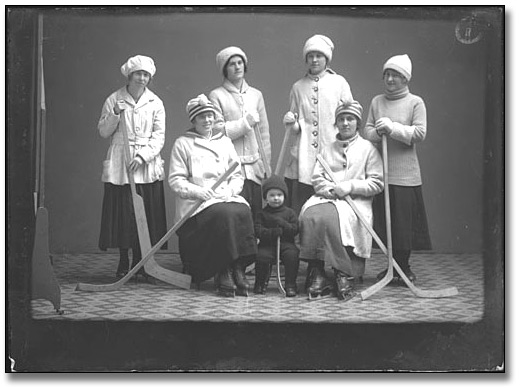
{"x":344,"y":285}
{"x":224,"y":282}
{"x":262,"y":275}
{"x":409,"y":274}
{"x":239,"y":276}
{"x":382,"y":274}
{"x":320,"y":287}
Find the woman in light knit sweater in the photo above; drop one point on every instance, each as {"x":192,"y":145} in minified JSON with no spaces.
{"x":313,"y":100}
{"x":330,"y":232}
{"x":243,"y":108}
{"x":401,"y":116}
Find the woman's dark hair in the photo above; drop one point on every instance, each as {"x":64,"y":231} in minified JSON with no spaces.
{"x":224,"y":70}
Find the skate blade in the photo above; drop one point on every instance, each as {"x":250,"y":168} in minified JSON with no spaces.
{"x":226,"y":292}
{"x":242,"y":292}
{"x":324,"y":295}
{"x":346,"y":297}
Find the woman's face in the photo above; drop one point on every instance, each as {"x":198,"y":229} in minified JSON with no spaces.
{"x":235,"y":68}
{"x":139,"y":78}
{"x":347,"y":125}
{"x":394,"y":80}
{"x":316,"y":62}
{"x":204,"y":123}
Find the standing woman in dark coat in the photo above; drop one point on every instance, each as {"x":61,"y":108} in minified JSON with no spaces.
{"x":136,"y":109}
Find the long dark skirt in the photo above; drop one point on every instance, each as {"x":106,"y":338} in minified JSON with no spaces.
{"x":298,"y":194}
{"x":408,"y":218}
{"x":118,"y":226}
{"x":212,"y":239}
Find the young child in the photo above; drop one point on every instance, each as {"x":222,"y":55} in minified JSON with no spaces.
{"x":273,"y":221}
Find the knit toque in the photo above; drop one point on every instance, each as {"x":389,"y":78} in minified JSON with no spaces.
{"x":319,"y":43}
{"x":274,"y":182}
{"x":401,"y":64}
{"x":224,"y":55}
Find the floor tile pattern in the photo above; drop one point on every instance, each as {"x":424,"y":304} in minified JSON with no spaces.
{"x":162,"y":302}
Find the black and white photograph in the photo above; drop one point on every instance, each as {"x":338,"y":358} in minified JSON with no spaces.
{"x":255,"y":188}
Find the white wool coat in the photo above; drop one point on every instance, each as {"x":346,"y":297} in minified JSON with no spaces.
{"x":356,"y":161}
{"x":315,"y":99}
{"x":145,"y":123}
{"x":233,"y":104}
{"x":197,"y":162}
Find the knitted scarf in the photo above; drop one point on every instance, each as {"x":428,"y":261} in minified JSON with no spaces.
{"x":397,"y":94}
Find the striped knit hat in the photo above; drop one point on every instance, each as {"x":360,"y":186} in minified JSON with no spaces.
{"x":198,"y":105}
{"x":354,"y":108}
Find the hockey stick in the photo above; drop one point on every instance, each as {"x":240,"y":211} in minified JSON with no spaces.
{"x":446,"y":292}
{"x":281,"y":164}
{"x":278,"y":276}
{"x":389,"y":275}
{"x":151,"y":267}
{"x":156,"y":247}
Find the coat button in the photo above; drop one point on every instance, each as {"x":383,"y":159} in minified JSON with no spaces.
{"x":315,"y":100}
{"x":315,"y":133}
{"x":344,"y":165}
{"x":315,"y":123}
{"x":315,"y":145}
{"x":315,"y":88}
{"x":316,"y":79}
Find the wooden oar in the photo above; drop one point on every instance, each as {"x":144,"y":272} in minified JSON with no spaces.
{"x":115,"y":286}
{"x":443,"y":293}
{"x":151,"y":266}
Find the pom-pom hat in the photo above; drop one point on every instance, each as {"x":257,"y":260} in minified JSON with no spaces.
{"x":198,"y":105}
{"x":319,"y":43}
{"x":354,"y":108}
{"x":400,"y":63}
{"x":136,"y":63}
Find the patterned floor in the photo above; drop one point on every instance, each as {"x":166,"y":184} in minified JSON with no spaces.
{"x":163,"y":302}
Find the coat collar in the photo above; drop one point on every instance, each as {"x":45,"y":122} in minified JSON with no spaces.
{"x":147,"y":97}
{"x":233,"y":89}
{"x":313,"y":77}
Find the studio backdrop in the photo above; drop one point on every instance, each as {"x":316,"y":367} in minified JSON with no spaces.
{"x":84,"y":49}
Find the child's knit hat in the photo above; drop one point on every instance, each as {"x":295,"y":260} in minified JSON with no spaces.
{"x":198,"y":105}
{"x":274,"y":182}
{"x":401,"y":64}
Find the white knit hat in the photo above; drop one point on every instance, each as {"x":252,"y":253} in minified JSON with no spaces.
{"x":139,"y":62}
{"x":401,"y":64}
{"x":224,"y":55}
{"x":198,"y":105}
{"x":319,"y":43}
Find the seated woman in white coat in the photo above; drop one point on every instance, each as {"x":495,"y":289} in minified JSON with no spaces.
{"x":219,"y":238}
{"x":330,"y":232}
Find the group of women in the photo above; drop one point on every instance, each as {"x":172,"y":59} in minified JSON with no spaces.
{"x":231,"y":125}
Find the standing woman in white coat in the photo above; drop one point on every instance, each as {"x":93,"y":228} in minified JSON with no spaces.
{"x":313,"y":101}
{"x":136,"y":109}
{"x":243,"y":108}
